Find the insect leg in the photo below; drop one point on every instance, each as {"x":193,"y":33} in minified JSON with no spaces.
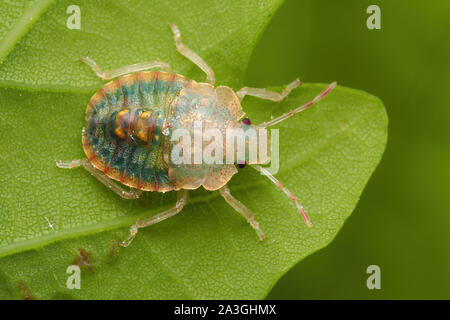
{"x":191,"y":55}
{"x":111,"y":184}
{"x":286,"y":191}
{"x":243,"y":210}
{"x":266,"y":94}
{"x":301,"y":108}
{"x":70,"y":164}
{"x":142,"y":223}
{"x":114,"y":73}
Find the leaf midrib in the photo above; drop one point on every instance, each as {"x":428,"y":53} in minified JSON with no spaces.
{"x":29,"y":17}
{"x":127,"y":220}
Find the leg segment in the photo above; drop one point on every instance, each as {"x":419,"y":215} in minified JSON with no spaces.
{"x":286,"y":191}
{"x":267,"y":95}
{"x":110,"y":183}
{"x":301,"y":108}
{"x":142,"y":223}
{"x":243,"y":210}
{"x":114,"y":73}
{"x":188,"y":53}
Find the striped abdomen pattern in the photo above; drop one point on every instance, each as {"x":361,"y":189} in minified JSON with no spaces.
{"x":126,"y":135}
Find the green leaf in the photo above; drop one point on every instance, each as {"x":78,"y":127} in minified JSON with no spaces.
{"x":16,"y":18}
{"x":327,"y":155}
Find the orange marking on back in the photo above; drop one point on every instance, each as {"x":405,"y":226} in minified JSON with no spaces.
{"x":155,"y":79}
{"x":172,"y":78}
{"x":104,"y":93}
{"x":119,"y":132}
{"x":144,"y":115}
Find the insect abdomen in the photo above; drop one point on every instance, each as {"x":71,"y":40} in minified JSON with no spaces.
{"x":125,"y":124}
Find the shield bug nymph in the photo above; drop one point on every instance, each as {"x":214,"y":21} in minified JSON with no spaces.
{"x":131,"y":122}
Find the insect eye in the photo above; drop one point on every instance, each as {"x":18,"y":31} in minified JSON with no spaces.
{"x":246,"y":121}
{"x":241,"y":164}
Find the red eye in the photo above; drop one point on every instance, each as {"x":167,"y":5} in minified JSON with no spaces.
{"x":241,"y":163}
{"x":246,"y":121}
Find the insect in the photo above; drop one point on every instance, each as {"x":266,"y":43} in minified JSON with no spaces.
{"x":130,"y":121}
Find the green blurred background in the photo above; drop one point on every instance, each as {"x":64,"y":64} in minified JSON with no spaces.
{"x":402,"y":222}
